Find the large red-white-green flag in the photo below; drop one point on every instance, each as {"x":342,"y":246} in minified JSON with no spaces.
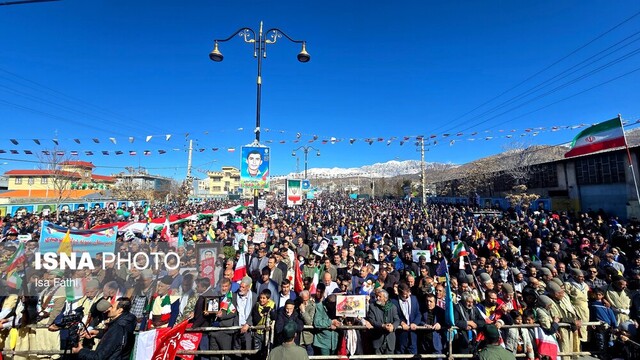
{"x":605,"y":135}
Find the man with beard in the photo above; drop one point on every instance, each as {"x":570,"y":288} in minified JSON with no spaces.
{"x":246,"y":300}
{"x":563,"y":311}
{"x":383,"y":316}
{"x":619,"y":297}
{"x":469,"y":321}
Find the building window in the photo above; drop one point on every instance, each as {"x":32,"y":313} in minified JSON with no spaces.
{"x":601,"y":169}
{"x":44,"y":181}
{"x":86,"y":174}
{"x":18,"y":181}
{"x":30,"y":181}
{"x":216,"y":188}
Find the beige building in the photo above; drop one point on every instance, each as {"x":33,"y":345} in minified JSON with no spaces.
{"x":222,"y":183}
{"x":74,"y":175}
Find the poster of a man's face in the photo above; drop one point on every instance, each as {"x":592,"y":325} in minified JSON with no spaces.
{"x":208,"y":264}
{"x":254,"y":160}
{"x":254,"y":169}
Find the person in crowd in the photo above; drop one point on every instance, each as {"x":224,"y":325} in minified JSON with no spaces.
{"x":285,"y":315}
{"x":469,"y":321}
{"x":518,"y":340}
{"x":286,"y":293}
{"x":410,"y":317}
{"x":325,"y":340}
{"x":383,"y":316}
{"x":262,"y":314}
{"x":289,"y":349}
{"x":245,"y":300}
{"x":117,"y":340}
{"x":266,"y":282}
{"x":225,"y":316}
{"x":432,"y":340}
{"x":307,"y":308}
{"x":492,"y":349}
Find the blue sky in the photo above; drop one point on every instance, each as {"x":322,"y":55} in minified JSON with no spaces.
{"x":79,"y":69}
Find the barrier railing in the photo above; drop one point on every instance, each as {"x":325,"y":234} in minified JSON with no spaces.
{"x":269,"y":333}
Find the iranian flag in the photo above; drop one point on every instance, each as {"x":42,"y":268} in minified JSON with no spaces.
{"x":147,"y":212}
{"x":159,"y":344}
{"x":602,"y":136}
{"x":459,"y":250}
{"x":241,"y":269}
{"x":72,"y":292}
{"x":16,"y":259}
{"x":546,"y":344}
{"x":166,"y":231}
{"x":314,"y":282}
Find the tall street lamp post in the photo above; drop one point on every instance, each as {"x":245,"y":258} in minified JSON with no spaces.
{"x":260,"y":43}
{"x":305,"y":149}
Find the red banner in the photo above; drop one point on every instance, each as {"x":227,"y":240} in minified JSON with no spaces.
{"x":167,"y":340}
{"x":208,"y":269}
{"x":189,"y":342}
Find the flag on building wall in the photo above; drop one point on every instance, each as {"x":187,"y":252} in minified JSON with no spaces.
{"x":602,"y":136}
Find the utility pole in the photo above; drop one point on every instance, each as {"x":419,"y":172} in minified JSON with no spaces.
{"x":422,"y":172}
{"x":189,"y":160}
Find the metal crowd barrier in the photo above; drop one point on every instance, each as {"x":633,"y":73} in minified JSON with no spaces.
{"x":270,"y":333}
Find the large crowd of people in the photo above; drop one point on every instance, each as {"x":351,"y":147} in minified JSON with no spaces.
{"x":424,"y":270}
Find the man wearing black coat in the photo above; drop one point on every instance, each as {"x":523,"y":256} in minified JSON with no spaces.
{"x":285,"y":315}
{"x":469,"y":321}
{"x":116,"y":342}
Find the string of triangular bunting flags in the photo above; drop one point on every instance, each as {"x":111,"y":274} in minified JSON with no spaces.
{"x":430,"y":140}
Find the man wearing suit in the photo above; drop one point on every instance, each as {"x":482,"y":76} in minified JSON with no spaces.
{"x":226,"y":316}
{"x":410,"y":317}
{"x":274,"y":272}
{"x":267,"y":283}
{"x":203,"y":287}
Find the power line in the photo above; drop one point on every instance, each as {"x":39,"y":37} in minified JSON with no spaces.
{"x":543,"y":70}
{"x":562,"y":75}
{"x":124,"y":121}
{"x":562,"y":86}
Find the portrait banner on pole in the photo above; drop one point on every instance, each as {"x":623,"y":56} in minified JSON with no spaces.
{"x":254,"y":168}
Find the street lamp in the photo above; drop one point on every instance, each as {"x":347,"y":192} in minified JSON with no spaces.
{"x":305,"y":149}
{"x":260,"y":43}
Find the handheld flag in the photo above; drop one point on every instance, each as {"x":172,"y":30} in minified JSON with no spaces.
{"x":448,"y":304}
{"x":459,"y":250}
{"x":298,"y":284}
{"x":240,"y":270}
{"x":166,"y":231}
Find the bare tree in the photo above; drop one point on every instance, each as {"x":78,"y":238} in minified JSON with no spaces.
{"x":179,"y":191}
{"x":478,"y":177}
{"x":59,"y":180}
{"x":517,"y":161}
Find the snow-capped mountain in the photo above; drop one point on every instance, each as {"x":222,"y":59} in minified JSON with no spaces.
{"x":388,"y":169}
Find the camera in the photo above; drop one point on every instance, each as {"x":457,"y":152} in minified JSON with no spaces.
{"x":72,"y":324}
